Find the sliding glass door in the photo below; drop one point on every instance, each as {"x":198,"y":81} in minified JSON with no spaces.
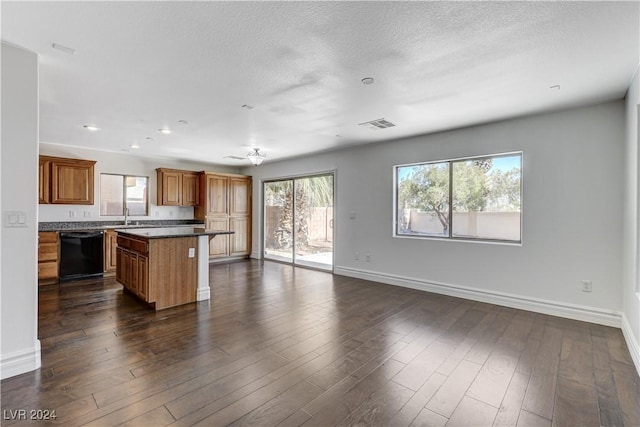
{"x":298,"y":221}
{"x":278,"y":220}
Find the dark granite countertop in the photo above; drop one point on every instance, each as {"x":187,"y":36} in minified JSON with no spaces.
{"x":168,"y":232}
{"x":109,"y":225}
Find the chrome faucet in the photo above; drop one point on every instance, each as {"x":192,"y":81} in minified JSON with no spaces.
{"x":126,"y":216}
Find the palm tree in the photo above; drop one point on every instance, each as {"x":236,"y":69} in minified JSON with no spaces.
{"x":305,"y":194}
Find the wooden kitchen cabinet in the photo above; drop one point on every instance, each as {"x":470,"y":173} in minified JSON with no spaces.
{"x":143,"y":277}
{"x":110,"y":255}
{"x":149,"y":268}
{"x":132,"y":266}
{"x":226,"y":205}
{"x":239,"y":196}
{"x":218,"y":247}
{"x":122,"y":265}
{"x":214,"y":194}
{"x":71,"y":181}
{"x":44,"y":181}
{"x":48,"y":257}
{"x":190,"y":189}
{"x":240,"y":241}
{"x":178,"y":187}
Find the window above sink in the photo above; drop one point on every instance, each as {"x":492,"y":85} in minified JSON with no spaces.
{"x":120,"y":192}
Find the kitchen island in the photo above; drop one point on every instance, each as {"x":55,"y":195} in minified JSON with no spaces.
{"x":165,"y":267}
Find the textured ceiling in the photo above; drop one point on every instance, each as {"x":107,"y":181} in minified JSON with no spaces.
{"x":141,"y":66}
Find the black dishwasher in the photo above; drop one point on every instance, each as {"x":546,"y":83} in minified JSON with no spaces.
{"x":81,"y":254}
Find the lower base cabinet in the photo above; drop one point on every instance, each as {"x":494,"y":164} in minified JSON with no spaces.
{"x":110,"y":255}
{"x":48,"y":258}
{"x":132,"y":267}
{"x":158,"y":271}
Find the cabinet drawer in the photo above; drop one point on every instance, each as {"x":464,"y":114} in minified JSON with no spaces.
{"x":134,"y":245}
{"x":123,"y":242}
{"x":139,"y":246}
{"x":47,"y":270}
{"x":48,"y":252}
{"x":48,"y":237}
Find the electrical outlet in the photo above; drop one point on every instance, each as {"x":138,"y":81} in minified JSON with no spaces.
{"x":192,"y":252}
{"x":367,"y":257}
{"x":587,"y":286}
{"x":72,"y":214}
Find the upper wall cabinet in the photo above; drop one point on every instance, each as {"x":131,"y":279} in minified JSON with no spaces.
{"x":178,"y":187}
{"x":65,"y":181}
{"x":44,"y":181}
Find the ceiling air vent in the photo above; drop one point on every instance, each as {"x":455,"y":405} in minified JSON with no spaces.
{"x":377,"y":124}
{"x":234,"y":157}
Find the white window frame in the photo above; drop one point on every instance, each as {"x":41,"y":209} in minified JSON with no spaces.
{"x":451,"y":237}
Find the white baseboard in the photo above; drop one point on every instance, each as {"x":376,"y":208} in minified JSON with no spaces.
{"x":554,"y":308}
{"x":19,"y":362}
{"x":632,"y":342}
{"x":255,"y":255}
{"x":203,"y":294}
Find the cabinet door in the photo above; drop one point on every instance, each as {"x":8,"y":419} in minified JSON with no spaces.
{"x":44,"y":173}
{"x":240,"y":242}
{"x":133,"y":272}
{"x":110,"y":257}
{"x":219,"y":245}
{"x":72,"y":182}
{"x":122,"y":265}
{"x":239,"y":196}
{"x":217,"y":194}
{"x":143,"y":277}
{"x":190,"y":189}
{"x":170,"y":188}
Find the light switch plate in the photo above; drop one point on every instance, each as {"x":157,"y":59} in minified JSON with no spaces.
{"x":15,"y":219}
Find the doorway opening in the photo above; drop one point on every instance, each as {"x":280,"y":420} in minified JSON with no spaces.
{"x":298,"y":220}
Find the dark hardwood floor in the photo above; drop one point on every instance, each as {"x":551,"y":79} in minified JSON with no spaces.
{"x":278,"y":345}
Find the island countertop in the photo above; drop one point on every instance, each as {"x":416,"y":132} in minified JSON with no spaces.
{"x":168,"y":232}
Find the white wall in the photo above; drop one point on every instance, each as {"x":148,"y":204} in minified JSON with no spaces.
{"x":20,"y":348}
{"x":631,"y":214}
{"x":127,"y":164}
{"x":572,"y":163}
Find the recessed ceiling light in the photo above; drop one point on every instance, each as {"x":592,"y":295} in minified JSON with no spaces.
{"x":134,"y":145}
{"x":64,"y":49}
{"x":91,"y":128}
{"x":183,"y":122}
{"x":247,"y":107}
{"x":165,"y":131}
{"x":367,"y":81}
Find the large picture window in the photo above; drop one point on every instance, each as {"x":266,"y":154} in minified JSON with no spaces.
{"x":470,"y":198}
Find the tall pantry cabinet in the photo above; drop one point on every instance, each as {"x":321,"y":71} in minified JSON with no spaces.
{"x":225,"y":204}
